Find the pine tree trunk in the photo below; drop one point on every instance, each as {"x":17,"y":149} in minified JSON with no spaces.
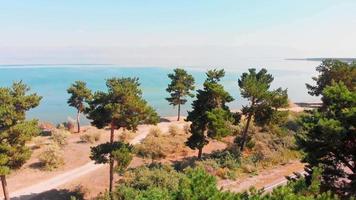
{"x":4,"y":187}
{"x":178,"y":112}
{"x":78,"y":122}
{"x":111,"y":161}
{"x":200,"y":152}
{"x":245,"y":133}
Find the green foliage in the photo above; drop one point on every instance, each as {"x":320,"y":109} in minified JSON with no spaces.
{"x":162,"y":182}
{"x":182,"y":85}
{"x":122,"y":106}
{"x":153,"y":176}
{"x":15,"y":131}
{"x":333,"y":70}
{"x":100,"y":153}
{"x":329,"y":136}
{"x":79,"y":95}
{"x":52,"y":157}
{"x":263,"y":103}
{"x":123,"y":156}
{"x":210,"y":111}
{"x":219,"y":126}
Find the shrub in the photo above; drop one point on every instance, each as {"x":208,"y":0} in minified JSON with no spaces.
{"x":51,"y":157}
{"x":173,"y":130}
{"x":60,"y":137}
{"x":126,"y":136}
{"x":156,"y":175}
{"x":156,"y":147}
{"x":90,"y":137}
{"x":38,"y":142}
{"x":69,"y":125}
{"x":155,"y":131}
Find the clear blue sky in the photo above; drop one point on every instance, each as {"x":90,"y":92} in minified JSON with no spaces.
{"x":126,"y":31}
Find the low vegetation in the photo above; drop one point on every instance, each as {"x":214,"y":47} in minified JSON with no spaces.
{"x":52,"y":157}
{"x":90,"y":137}
{"x":60,"y":137}
{"x":158,"y":145}
{"x":157,"y":182}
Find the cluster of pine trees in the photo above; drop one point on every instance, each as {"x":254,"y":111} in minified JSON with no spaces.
{"x":328,"y":137}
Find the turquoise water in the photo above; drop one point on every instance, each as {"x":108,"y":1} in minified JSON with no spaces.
{"x":52,"y":81}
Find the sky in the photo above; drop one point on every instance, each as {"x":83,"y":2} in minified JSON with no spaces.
{"x":174,"y":32}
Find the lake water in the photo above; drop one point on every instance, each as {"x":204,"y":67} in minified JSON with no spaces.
{"x":51,"y":82}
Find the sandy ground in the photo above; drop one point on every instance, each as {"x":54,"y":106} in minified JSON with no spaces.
{"x":93,"y":179}
{"x":31,"y":179}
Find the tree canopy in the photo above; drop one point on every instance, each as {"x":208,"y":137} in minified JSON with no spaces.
{"x":79,"y":95}
{"x":333,"y":70}
{"x":210,"y":113}
{"x":181,"y":86}
{"x":122,"y":106}
{"x":263,"y":102}
{"x":329,"y":138}
{"x":15,"y":130}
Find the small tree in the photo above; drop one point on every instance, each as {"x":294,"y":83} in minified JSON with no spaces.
{"x":122,"y":106}
{"x":182,"y":84}
{"x":15,"y":131}
{"x":263,"y":103}
{"x":210,"y":113}
{"x":79,"y":94}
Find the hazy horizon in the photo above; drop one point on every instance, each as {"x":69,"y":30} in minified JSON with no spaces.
{"x":174,"y":33}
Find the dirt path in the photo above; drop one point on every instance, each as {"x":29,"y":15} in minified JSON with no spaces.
{"x":267,"y":179}
{"x":52,"y":183}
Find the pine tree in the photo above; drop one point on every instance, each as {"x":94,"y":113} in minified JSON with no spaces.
{"x":333,"y":70}
{"x":79,"y":95}
{"x":210,"y":115}
{"x":15,"y":130}
{"x":263,"y":103}
{"x":329,"y":138}
{"x":181,"y":86}
{"x":121,"y":107}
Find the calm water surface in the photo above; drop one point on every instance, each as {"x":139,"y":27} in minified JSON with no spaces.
{"x":52,"y":81}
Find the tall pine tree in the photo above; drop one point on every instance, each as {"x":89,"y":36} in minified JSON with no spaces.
{"x":15,"y":130}
{"x":121,"y":107}
{"x":181,"y":86}
{"x":79,"y":95}
{"x":210,"y":115}
{"x":263,"y":103}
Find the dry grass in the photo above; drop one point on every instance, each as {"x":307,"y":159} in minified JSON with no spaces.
{"x":126,"y":136}
{"x":158,"y":145}
{"x":60,"y":137}
{"x":90,"y":137}
{"x":52,"y":157}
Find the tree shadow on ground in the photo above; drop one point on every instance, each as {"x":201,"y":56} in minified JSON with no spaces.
{"x":36,"y":165}
{"x":190,"y":161}
{"x":55,"y":194}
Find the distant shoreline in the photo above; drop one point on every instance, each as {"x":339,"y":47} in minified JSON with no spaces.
{"x":349,"y":60}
